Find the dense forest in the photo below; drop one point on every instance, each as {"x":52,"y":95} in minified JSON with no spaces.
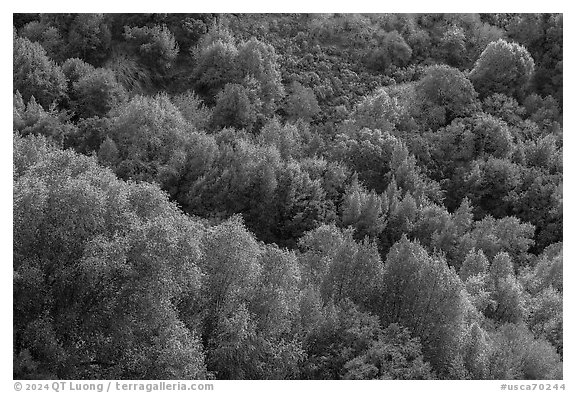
{"x":287,"y":196}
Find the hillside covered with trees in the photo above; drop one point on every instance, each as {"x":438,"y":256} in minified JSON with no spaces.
{"x":287,"y":196}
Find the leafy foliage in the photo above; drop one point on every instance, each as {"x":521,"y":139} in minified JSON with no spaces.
{"x":503,"y":67}
{"x":422,"y":293}
{"x":134,"y":253}
{"x":96,"y":93}
{"x":89,"y":37}
{"x":35,"y":75}
{"x":155,"y":46}
{"x":288,"y":196}
{"x":443,"y":94}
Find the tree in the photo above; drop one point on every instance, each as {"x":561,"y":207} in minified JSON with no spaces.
{"x":544,"y":284}
{"x":476,"y":352}
{"x":354,"y":272}
{"x":108,"y":153}
{"x":542,"y":36}
{"x":492,"y":236}
{"x":453,"y":46}
{"x":235,"y":177}
{"x":215,"y":65}
{"x":516,"y":354}
{"x":89,"y":38}
{"x":364,"y":211}
{"x":391,"y":50}
{"x":547,"y":272}
{"x":150,"y":134}
{"x":506,"y":292}
{"x":301,"y":204}
{"x":410,"y":177}
{"x":369,"y":153}
{"x":545,"y":317}
{"x":286,"y":138}
{"x":479,"y":136}
{"x":99,"y":266}
{"x":259,"y":60}
{"x":156,"y":47}
{"x":333,"y":176}
{"x":503,"y":67}
{"x":33,"y":119}
{"x":449,"y":236}
{"x":34,"y":74}
{"x":342,"y":333}
{"x":96,"y":93}
{"x":403,"y":214}
{"x":234,"y":108}
{"x":75,"y":69}
{"x":538,"y":197}
{"x":544,"y":111}
{"x":395,"y":355}
{"x":89,"y":135}
{"x":492,"y":137}
{"x":302,"y":103}
{"x":315,"y":246}
{"x":443,"y":94}
{"x":275,"y":302}
{"x":188,"y":28}
{"x":268,"y":348}
{"x":193,"y":109}
{"x":423,"y":294}
{"x":506,"y":108}
{"x":232,"y":269}
{"x":488,"y":185}
{"x":48,"y":36}
{"x":242,"y":352}
{"x":380,"y":111}
{"x":340,"y":266}
{"x":18,"y":110}
{"x":464,"y":146}
{"x":474,"y":264}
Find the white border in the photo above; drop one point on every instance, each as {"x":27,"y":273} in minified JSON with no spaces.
{"x":291,"y":6}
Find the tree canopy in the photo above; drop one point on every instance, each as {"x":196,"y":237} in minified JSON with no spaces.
{"x":287,"y":196}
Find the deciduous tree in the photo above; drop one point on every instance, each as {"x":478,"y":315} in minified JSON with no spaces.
{"x":503,"y":67}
